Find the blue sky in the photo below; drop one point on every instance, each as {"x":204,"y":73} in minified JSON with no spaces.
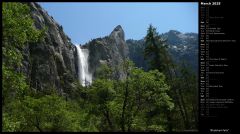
{"x":85,"y":21}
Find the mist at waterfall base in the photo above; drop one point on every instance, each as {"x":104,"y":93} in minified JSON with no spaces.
{"x":85,"y":77}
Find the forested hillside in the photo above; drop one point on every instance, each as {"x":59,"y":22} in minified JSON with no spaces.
{"x":42,"y":90}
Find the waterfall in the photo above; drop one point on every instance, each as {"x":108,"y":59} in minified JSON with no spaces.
{"x":83,"y":73}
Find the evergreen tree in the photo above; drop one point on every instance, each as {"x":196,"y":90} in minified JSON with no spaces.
{"x":157,"y":54}
{"x":156,"y":50}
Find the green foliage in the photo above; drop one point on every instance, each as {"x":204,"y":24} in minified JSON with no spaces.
{"x":104,"y":72}
{"x":148,"y":94}
{"x":47,"y":113}
{"x":18,"y":31}
{"x":9,"y":123}
{"x":138,"y":103}
{"x":11,"y":81}
{"x":102,"y":90}
{"x":124,"y":105}
{"x":182,"y":82}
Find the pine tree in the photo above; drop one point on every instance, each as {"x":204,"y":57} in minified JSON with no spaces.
{"x":156,"y":50}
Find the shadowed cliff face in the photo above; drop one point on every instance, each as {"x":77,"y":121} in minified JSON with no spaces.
{"x":109,"y":50}
{"x":50,"y":63}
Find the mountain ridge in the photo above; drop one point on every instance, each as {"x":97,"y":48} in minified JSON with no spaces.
{"x":181,"y":46}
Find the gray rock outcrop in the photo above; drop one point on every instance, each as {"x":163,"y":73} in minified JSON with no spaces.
{"x":50,"y":63}
{"x":111,"y":50}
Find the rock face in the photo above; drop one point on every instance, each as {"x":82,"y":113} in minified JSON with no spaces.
{"x":136,"y":52}
{"x":111,"y":50}
{"x":50,"y":63}
{"x":183,"y":47}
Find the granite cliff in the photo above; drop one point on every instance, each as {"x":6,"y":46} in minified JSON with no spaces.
{"x":111,"y":50}
{"x":50,"y":63}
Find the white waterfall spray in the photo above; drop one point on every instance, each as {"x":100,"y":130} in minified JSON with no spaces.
{"x":83,"y":73}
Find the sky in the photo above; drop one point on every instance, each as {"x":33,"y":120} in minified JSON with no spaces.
{"x":83,"y":21}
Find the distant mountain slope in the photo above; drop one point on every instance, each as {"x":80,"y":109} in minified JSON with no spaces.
{"x":182,"y":47}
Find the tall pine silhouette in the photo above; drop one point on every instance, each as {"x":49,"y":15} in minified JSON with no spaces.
{"x":156,"y":50}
